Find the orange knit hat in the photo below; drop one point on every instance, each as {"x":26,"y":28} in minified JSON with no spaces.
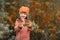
{"x":24,"y":9}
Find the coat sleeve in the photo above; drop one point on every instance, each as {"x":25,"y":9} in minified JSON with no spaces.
{"x":16,"y":28}
{"x":30,"y":27}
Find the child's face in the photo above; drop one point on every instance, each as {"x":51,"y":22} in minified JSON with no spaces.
{"x":23,"y":15}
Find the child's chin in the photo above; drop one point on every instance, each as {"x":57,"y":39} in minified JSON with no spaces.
{"x":22,"y":16}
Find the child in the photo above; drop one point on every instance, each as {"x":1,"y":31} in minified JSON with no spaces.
{"x":23,"y":26}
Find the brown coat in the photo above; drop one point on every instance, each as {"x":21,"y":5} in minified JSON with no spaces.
{"x":23,"y":33}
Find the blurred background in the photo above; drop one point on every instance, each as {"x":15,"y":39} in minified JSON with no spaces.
{"x":45,"y":13}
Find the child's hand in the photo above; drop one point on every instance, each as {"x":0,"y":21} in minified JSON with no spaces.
{"x":20,"y":25}
{"x":26,"y":24}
